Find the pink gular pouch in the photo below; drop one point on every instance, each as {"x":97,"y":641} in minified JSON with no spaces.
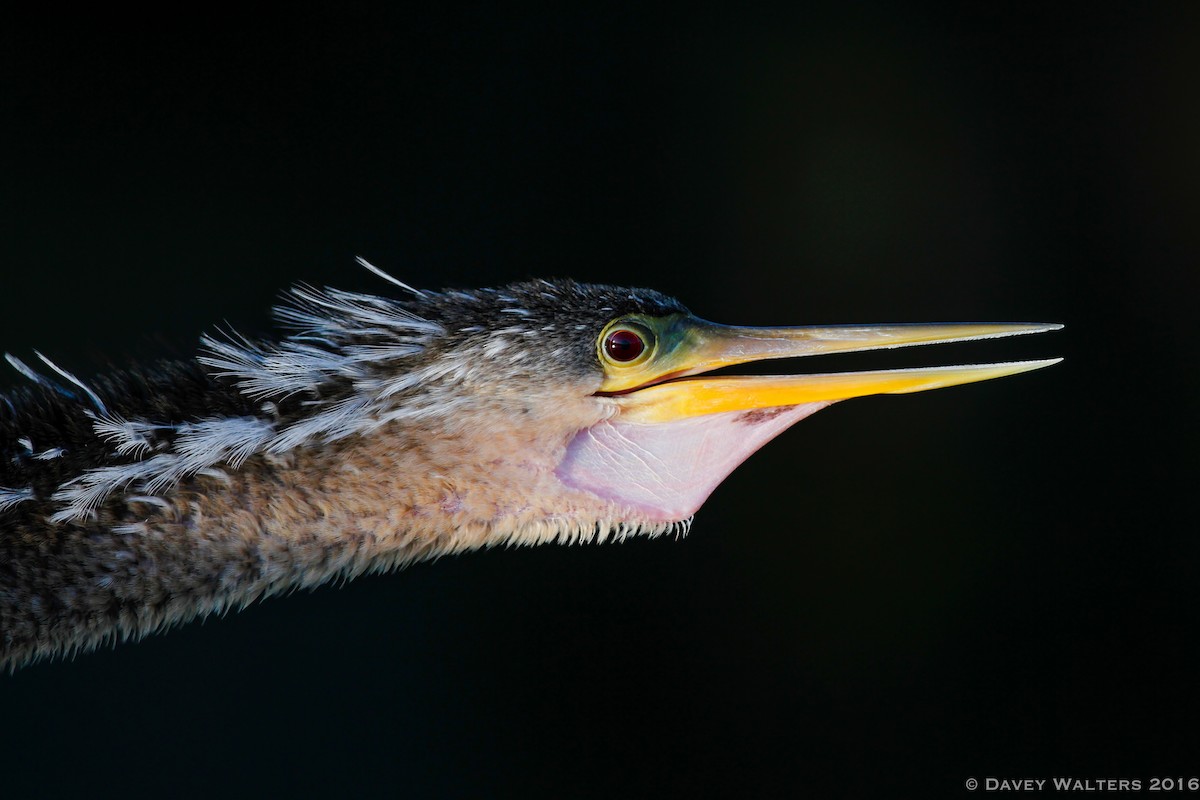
{"x":667,"y":470}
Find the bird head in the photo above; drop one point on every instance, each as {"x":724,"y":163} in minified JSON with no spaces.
{"x":552,"y":409}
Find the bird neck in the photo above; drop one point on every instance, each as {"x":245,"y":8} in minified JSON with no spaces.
{"x":223,"y":539}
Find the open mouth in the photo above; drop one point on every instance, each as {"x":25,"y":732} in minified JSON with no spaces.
{"x":680,"y":429}
{"x":674,"y":383}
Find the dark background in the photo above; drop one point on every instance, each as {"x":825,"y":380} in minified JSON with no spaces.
{"x":899,"y":594}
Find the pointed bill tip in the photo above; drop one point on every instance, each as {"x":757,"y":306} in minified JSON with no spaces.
{"x":907,"y":381}
{"x":1020,"y":328}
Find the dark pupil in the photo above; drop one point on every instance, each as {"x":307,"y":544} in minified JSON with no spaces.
{"x":624,"y":345}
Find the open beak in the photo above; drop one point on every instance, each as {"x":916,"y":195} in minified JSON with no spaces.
{"x":667,"y":392}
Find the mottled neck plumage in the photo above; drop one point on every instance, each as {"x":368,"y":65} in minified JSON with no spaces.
{"x":223,"y":538}
{"x":135,"y":561}
{"x":367,"y":438}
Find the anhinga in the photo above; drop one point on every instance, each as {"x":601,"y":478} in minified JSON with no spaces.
{"x":382,"y":431}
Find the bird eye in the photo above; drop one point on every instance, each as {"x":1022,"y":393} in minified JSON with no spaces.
{"x":624,"y":345}
{"x":627,"y":342}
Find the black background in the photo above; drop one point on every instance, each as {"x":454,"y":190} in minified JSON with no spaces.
{"x":899,"y":594}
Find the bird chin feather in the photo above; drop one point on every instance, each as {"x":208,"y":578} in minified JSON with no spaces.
{"x":666,"y":471}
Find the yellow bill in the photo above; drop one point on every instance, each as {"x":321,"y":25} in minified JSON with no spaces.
{"x":658,"y":387}
{"x":692,"y":397}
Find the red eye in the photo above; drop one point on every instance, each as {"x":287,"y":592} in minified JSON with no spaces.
{"x":623,"y":345}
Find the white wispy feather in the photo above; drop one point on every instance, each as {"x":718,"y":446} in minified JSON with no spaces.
{"x":339,"y":336}
{"x":23,"y":368}
{"x":224,"y":440}
{"x":277,"y":371}
{"x":131,"y":437}
{"x":81,"y":496}
{"x":198,"y":445}
{"x":340,"y":312}
{"x":362,"y":262}
{"x":331,"y":326}
{"x":10,"y":497}
{"x":334,"y":421}
{"x":95,"y":398}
